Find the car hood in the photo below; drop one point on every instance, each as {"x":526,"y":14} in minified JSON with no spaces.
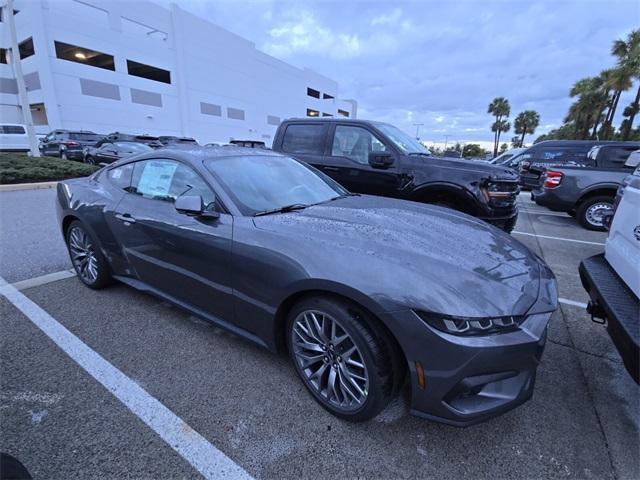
{"x":415,"y":255}
{"x":494,"y":171}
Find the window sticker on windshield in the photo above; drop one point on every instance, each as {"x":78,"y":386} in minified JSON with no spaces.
{"x":156,"y":178}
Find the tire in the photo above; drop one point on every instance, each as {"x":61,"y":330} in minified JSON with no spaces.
{"x":90,"y":160}
{"x":94,"y":272}
{"x":364,"y":381}
{"x":589,"y":212}
{"x":572,"y":213}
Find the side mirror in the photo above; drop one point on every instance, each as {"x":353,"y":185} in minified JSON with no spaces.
{"x":193,"y":205}
{"x":380,"y":159}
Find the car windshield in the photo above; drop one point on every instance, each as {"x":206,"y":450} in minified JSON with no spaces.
{"x":133,"y":147}
{"x":262,"y":183}
{"x":401,"y":140}
{"x":85,"y":137}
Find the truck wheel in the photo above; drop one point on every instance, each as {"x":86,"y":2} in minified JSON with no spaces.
{"x":591,"y":211}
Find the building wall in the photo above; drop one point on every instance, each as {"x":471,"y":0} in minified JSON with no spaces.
{"x":212,"y":71}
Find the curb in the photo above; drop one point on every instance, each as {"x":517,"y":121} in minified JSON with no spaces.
{"x":27,"y":186}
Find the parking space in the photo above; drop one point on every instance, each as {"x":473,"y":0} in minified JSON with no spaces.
{"x":248,"y":404}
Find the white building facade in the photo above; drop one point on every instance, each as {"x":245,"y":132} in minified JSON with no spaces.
{"x":140,"y":68}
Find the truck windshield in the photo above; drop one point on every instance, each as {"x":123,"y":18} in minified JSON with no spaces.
{"x":401,"y":140}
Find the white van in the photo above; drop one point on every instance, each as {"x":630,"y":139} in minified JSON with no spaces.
{"x":13,"y":138}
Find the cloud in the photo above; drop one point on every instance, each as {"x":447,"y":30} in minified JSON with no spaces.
{"x":304,"y":34}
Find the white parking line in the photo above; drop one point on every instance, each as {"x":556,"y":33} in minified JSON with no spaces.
{"x":542,"y":212}
{"x":44,"y":279}
{"x":557,"y":238}
{"x":192,"y":446}
{"x":572,"y":302}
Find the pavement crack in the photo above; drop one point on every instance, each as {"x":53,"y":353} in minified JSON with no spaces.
{"x":584,"y":351}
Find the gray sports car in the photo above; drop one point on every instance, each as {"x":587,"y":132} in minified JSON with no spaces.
{"x":360,"y":291}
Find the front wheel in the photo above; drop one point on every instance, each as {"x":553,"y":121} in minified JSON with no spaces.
{"x":340,"y":360}
{"x":90,"y":160}
{"x":87,"y":260}
{"x":590,"y":213}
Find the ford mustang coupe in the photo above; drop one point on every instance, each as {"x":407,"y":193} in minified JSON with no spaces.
{"x":360,"y":291}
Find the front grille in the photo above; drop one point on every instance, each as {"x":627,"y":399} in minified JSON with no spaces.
{"x":502,"y":194}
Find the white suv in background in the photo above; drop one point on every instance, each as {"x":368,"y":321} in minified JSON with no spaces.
{"x":13,"y":138}
{"x":612,"y":279}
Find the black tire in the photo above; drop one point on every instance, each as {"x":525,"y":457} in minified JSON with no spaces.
{"x":102,"y":275}
{"x":90,"y":160}
{"x":585,"y":212}
{"x":383,"y":367}
{"x":572,"y":213}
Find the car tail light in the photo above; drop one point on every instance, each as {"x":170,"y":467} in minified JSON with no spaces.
{"x":69,"y":143}
{"x":552,"y":179}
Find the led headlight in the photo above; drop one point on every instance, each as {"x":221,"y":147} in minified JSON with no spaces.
{"x":470,"y":326}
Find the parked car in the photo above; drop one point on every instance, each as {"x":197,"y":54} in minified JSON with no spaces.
{"x":379,"y":159}
{"x":356,"y":288}
{"x":248,"y":143}
{"x":14,"y":138}
{"x":171,"y":140}
{"x":612,"y":279}
{"x":110,"y":152}
{"x":588,"y":192}
{"x":452,"y":154}
{"x":504,"y":159}
{"x":68,"y":144}
{"x":551,"y":153}
{"x":150,"y":140}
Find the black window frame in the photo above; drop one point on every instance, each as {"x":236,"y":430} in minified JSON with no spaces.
{"x":323,"y":128}
{"x":104,"y":61}
{"x":312,"y":92}
{"x":310,"y":111}
{"x":26,"y":48}
{"x":140,"y":71}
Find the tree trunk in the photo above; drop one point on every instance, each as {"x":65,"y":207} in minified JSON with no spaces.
{"x":600,"y":112}
{"x":495,"y":141}
{"x":524,"y":132}
{"x":636,"y":105}
{"x":614,"y":106}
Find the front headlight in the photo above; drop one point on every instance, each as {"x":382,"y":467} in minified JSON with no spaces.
{"x":470,"y":326}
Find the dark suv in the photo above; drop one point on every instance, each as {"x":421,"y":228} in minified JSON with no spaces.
{"x":68,"y":144}
{"x":379,"y":159}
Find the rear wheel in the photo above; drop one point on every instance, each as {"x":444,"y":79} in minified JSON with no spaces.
{"x":90,"y":160}
{"x":343,"y":364}
{"x":591,"y":211}
{"x":87,"y":260}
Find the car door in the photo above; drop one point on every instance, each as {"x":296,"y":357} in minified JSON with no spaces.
{"x":348,"y":161}
{"x":185,"y":257}
{"x":106,"y":153}
{"x":53,"y":145}
{"x":307,"y":142}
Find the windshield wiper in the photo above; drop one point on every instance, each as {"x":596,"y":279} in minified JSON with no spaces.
{"x":286,"y":208}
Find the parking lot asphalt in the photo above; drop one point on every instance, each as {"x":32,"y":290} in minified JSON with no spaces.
{"x":582,"y":421}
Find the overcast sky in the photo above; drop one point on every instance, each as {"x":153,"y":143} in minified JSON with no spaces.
{"x":438,"y":63}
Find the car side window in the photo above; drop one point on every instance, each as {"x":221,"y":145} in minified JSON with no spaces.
{"x":166,"y":180}
{"x":355,"y":143}
{"x":106,"y":146}
{"x":121,"y":176}
{"x":304,"y":138}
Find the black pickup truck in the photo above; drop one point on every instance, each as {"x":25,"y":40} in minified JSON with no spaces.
{"x":587,"y":191}
{"x":379,"y":159}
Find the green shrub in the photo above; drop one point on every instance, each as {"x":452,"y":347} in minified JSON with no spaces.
{"x":19,"y":168}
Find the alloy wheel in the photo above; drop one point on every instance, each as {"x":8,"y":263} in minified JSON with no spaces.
{"x":596,"y":211}
{"x":83,"y":254}
{"x":329,"y":360}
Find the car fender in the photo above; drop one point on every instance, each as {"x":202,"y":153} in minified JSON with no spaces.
{"x":425,"y":189}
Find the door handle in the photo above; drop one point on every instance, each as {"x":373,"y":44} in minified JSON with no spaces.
{"x":331,"y":169}
{"x":125,"y":217}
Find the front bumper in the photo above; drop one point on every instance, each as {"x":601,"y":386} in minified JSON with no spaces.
{"x":471,"y":379}
{"x":552,"y":199}
{"x":612,"y":299}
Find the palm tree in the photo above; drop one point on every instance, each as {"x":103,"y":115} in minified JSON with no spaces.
{"x":628,"y":53}
{"x":620,"y":81}
{"x":526,"y":122}
{"x":500,"y":109}
{"x":586,"y":110}
{"x":604,"y":80}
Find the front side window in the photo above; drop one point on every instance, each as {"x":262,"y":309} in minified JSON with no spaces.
{"x":121,"y":176}
{"x":84,"y":137}
{"x":258,"y":183}
{"x":304,"y":138}
{"x":355,"y":143}
{"x":167,"y":180}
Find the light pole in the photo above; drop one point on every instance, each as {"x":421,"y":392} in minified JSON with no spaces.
{"x":446,"y":140}
{"x":418,"y":125}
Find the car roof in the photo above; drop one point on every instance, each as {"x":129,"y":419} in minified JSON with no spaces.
{"x":197,"y":154}
{"x":570,"y":143}
{"x":616,"y":144}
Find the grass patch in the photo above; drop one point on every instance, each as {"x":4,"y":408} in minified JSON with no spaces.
{"x":19,"y":168}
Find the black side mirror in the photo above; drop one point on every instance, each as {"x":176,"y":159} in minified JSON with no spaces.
{"x":380,"y":159}
{"x":193,"y":205}
{"x":45,"y":140}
